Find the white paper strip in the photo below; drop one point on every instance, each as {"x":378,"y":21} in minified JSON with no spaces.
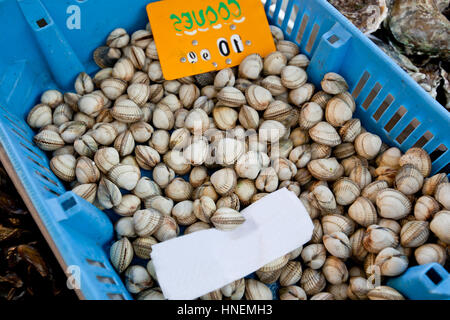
{"x":196,"y":264}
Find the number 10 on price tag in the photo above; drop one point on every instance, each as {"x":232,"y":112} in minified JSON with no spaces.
{"x":199,"y":36}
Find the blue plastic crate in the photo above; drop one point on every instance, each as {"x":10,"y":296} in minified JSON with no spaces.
{"x":43,"y":48}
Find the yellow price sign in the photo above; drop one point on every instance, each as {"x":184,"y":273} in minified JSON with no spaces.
{"x":198,"y":36}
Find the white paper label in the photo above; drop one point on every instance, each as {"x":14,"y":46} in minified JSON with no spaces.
{"x":190,"y":266}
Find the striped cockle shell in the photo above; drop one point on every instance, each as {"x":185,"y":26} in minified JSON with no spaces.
{"x":345,"y":191}
{"x":442,"y":195}
{"x":230,"y":201}
{"x":371,"y":190}
{"x":86,"y":171}
{"x":292,"y":293}
{"x":392,"y":204}
{"x":142,"y":246}
{"x":125,"y":176}
{"x":273,"y":85}
{"x":146,"y":188}
{"x":336,"y":222}
{"x":361,"y":175}
{"x":356,"y":241}
{"x":367,"y":145}
{"x":147,"y":157}
{"x":429,"y":253}
{"x":197,"y":226}
{"x":224,"y":78}
{"x":338,"y":112}
{"x":377,"y":238}
{"x":52,"y":98}
{"x":312,"y":281}
{"x":141,"y":131}
{"x":147,"y":221}
{"x":359,"y":288}
{"x":333,"y":83}
{"x":256,"y":290}
{"x":335,"y":270}
{"x":276,"y":264}
{"x":419,"y":158}
{"x":293,"y":77}
{"x":72,"y":130}
{"x":227,"y":219}
{"x":137,"y":279}
{"x":85,"y":146}
{"x":163,"y":204}
{"x":86,"y":191}
{"x":310,"y":114}
{"x":314,"y":255}
{"x":269,"y":276}
{"x":430,"y":184}
{"x":91,"y":104}
{"x":121,"y":254}
{"x":62,"y":114}
{"x":408,"y":180}
{"x":178,"y":190}
{"x":106,"y":159}
{"x":384,"y":293}
{"x":350,"y":130}
{"x":324,"y":133}
{"x":363,"y":212}
{"x":251,"y":67}
{"x":108,"y":194}
{"x":224,"y":181}
{"x":63,"y":166}
{"x":204,"y":208}
{"x":414,"y":234}
{"x":301,"y":95}
{"x":323,"y":198}
{"x":124,"y":143}
{"x":40,"y":116}
{"x":440,"y":226}
{"x":338,"y":245}
{"x":231,"y":97}
{"x":391,"y":262}
{"x":281,"y":111}
{"x":274,"y":63}
{"x":124,"y":227}
{"x":258,"y":97}
{"x":183,"y":212}
{"x":126,"y":111}
{"x":168,"y":230}
{"x":123,"y":69}
{"x":162,"y":175}
{"x":65,"y":150}
{"x":234,"y":290}
{"x":291,"y":273}
{"x":326,"y":169}
{"x":113,"y":88}
{"x":104,"y":133}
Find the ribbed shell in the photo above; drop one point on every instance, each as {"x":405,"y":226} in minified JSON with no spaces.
{"x":419,"y":158}
{"x":310,"y":114}
{"x":280,"y":111}
{"x":361,"y":175}
{"x":430,"y":184}
{"x":384,"y":293}
{"x":86,"y":191}
{"x":86,"y":171}
{"x":169,"y":229}
{"x":147,"y":221}
{"x":113,"y":88}
{"x":350,"y":130}
{"x":142,"y":246}
{"x":227,"y":219}
{"x":377,"y":238}
{"x":408,"y":180}
{"x":256,"y":290}
{"x":276,"y":264}
{"x":393,"y":204}
{"x":321,"y":98}
{"x":363,"y":212}
{"x":40,"y":116}
{"x":313,"y":281}
{"x":335,"y":270}
{"x":324,"y":133}
{"x":335,"y":222}
{"x":128,"y":206}
{"x":345,"y":191}
{"x":127,"y":111}
{"x":48,"y":140}
{"x":231,"y":97}
{"x":371,"y":190}
{"x":224,"y":181}
{"x":414,"y":234}
{"x":147,"y":157}
{"x":291,"y":273}
{"x":334,"y":83}
{"x":338,"y":112}
{"x":258,"y":97}
{"x":108,"y":194}
{"x":121,"y":254}
{"x":338,"y":245}
{"x":125,"y":176}
{"x":326,"y":169}
{"x":106,"y":158}
{"x":63,"y":167}
{"x":269,"y":276}
{"x":356,"y":242}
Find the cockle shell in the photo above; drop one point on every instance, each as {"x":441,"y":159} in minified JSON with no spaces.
{"x":85,"y":146}
{"x":224,"y":78}
{"x":418,"y":158}
{"x":183,"y":212}
{"x":367,"y":145}
{"x":338,"y":112}
{"x":168,"y":230}
{"x":86,"y":171}
{"x":106,"y":158}
{"x":234,"y":290}
{"x":324,"y":198}
{"x":292,"y":293}
{"x":359,"y":288}
{"x":231,"y":97}
{"x":175,"y":160}
{"x":128,"y":205}
{"x":377,"y":238}
{"x":324,"y":133}
{"x":147,"y":221}
{"x":178,"y":190}
{"x":86,"y":191}
{"x":197,"y":151}
{"x":137,"y":279}
{"x":414,"y":234}
{"x":291,"y":273}
{"x":227,"y":219}
{"x":70,"y":131}
{"x":440,"y":226}
{"x":356,"y":242}
{"x":335,"y":270}
{"x":302,"y":94}
{"x":371,"y":190}
{"x":160,"y":203}
{"x":361,"y":176}
{"x":363,"y":212}
{"x":384,"y":293}
{"x":127,"y":111}
{"x":271,"y":131}
{"x":62,"y":114}
{"x":269,"y":276}
{"x":429,"y":253}
{"x":393,"y":204}
{"x":313,"y":281}
{"x":335,"y":222}
{"x":124,"y":227}
{"x":258,"y":97}
{"x":146,"y":188}
{"x":250,"y":164}
{"x":251,"y":66}
{"x":147,"y":157}
{"x":274,"y":63}
{"x":333,"y":83}
{"x":224,"y":181}
{"x":121,"y":254}
{"x":338,"y":245}
{"x":104,"y":133}
{"x":326,"y":169}
{"x":248,"y":117}
{"x":391,"y":262}
{"x":198,"y":226}
{"x":314,"y":255}
{"x":273,"y":85}
{"x":293,"y":77}
{"x":288,"y":48}
{"x":125,"y":176}
{"x":430,"y":184}
{"x":408,"y":180}
{"x":91,"y":104}
{"x":197,"y":121}
{"x":63,"y":167}
{"x":143,"y":246}
{"x":345,"y":191}
{"x":256,"y":290}
{"x":39,"y":116}
{"x":442,"y":194}
{"x":310,"y":115}
{"x":108,"y":194}
{"x":124,"y":143}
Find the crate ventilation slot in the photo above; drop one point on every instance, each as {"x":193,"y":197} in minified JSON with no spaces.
{"x":382,"y":108}
{"x":20,"y":135}
{"x":96,"y":263}
{"x":408,"y":130}
{"x":107,"y":280}
{"x":434,"y":276}
{"x":52,"y":191}
{"x":302,"y":29}
{"x":373,"y":93}
{"x":439,"y":151}
{"x":427,"y":136}
{"x":38,"y":164}
{"x":41,"y":23}
{"x":333,"y":39}
{"x":68,"y":204}
{"x":46,"y":178}
{"x":362,"y":82}
{"x":31,"y":151}
{"x":312,"y":38}
{"x":291,"y":21}
{"x":14,"y":123}
{"x":395,"y":118}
